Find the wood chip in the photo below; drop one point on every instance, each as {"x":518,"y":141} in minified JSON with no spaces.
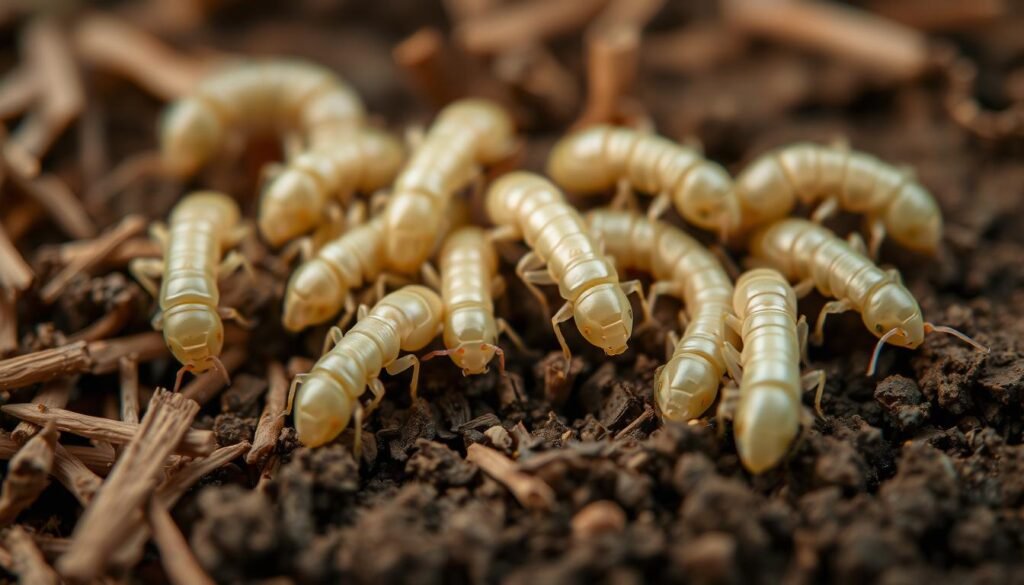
{"x":524,"y":23}
{"x":129,"y":368}
{"x":135,"y":476}
{"x":532,"y":492}
{"x":105,"y":244}
{"x":179,"y":563}
{"x":195,"y":442}
{"x":106,"y":354}
{"x":268,"y":429}
{"x":45,"y":365}
{"x":52,"y":395}
{"x":74,"y":475}
{"x":27,"y":561}
{"x":27,"y":474}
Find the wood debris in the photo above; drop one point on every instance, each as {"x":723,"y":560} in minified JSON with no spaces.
{"x":520,"y":24}
{"x":27,"y":561}
{"x":52,"y":395}
{"x":177,"y":559}
{"x":27,"y":474}
{"x":268,"y":429}
{"x":74,"y":475}
{"x":104,"y":245}
{"x":129,"y":369}
{"x":532,"y":492}
{"x":209,"y":384}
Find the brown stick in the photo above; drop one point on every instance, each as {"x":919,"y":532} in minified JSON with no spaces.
{"x":27,"y":474}
{"x":633,"y":14}
{"x":115,"y":45}
{"x":135,"y":476}
{"x":75,"y":475}
{"x":532,"y":492}
{"x":60,"y":90}
{"x":179,"y":563}
{"x":209,"y":384}
{"x":112,"y":322}
{"x":17,"y":90}
{"x":106,"y":243}
{"x":268,"y":429}
{"x":54,"y":196}
{"x":695,"y":48}
{"x":612,"y":59}
{"x":52,"y":395}
{"x":940,"y":15}
{"x":8,"y":324}
{"x":26,"y":560}
{"x":124,"y":253}
{"x":97,"y":460}
{"x":15,"y":275}
{"x":129,"y":366}
{"x":45,"y":365}
{"x":195,"y":442}
{"x":524,"y":23}
{"x":846,"y":33}
{"x":106,"y":354}
{"x":429,"y":67}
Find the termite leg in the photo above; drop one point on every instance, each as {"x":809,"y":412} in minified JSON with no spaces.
{"x":504,"y":233}
{"x":830,"y":308}
{"x":683,"y":319}
{"x":876,"y":233}
{"x":734,"y":323}
{"x":815,"y":379}
{"x":634,"y":287}
{"x":856,"y":242}
{"x":498,"y":286}
{"x":334,"y":335}
{"x":730,"y":266}
{"x":334,"y":224}
{"x":377,"y":389}
{"x":726,"y":410}
{"x":233,"y":261}
{"x":404,"y":363}
{"x":384,"y":280}
{"x":357,"y":443}
{"x":430,"y":276}
{"x":378,"y":201}
{"x":826,"y":210}
{"x":802,"y":330}
{"x":803,"y":288}
{"x":238,"y":233}
{"x":659,"y":288}
{"x":504,"y":327}
{"x":625,"y":198}
{"x":671,"y":341}
{"x":659,"y":206}
{"x":158,"y":231}
{"x":894,"y":275}
{"x":527,"y":271}
{"x":362,"y":312}
{"x":232,"y":314}
{"x":157,"y":321}
{"x":146,"y":271}
{"x":733,"y":360}
{"x":563,"y":314}
{"x":302,"y":247}
{"x":291,"y":392}
{"x":414,"y":136}
{"x":350,"y":311}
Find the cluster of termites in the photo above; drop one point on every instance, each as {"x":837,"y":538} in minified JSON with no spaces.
{"x":745,"y":336}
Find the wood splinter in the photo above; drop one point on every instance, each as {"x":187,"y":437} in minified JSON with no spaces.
{"x":27,"y":474}
{"x":27,"y":561}
{"x":532,"y":492}
{"x":268,"y":429}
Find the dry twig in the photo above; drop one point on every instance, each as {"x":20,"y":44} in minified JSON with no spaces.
{"x":27,"y":474}
{"x":105,"y":244}
{"x":532,"y":492}
{"x":52,"y":395}
{"x":612,"y":57}
{"x":179,"y":563}
{"x":129,"y":367}
{"x":15,"y":275}
{"x":940,"y":15}
{"x":98,"y":461}
{"x":523,"y":24}
{"x":8,"y":324}
{"x":75,"y":475}
{"x":268,"y":429}
{"x":26,"y":560}
{"x":45,"y":365}
{"x":428,"y":64}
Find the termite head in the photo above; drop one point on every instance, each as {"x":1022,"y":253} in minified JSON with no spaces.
{"x":914,"y":220}
{"x":604,"y":317}
{"x":577,"y":162}
{"x":685,"y":387}
{"x":470,"y":336}
{"x":190,"y":134}
{"x":314,"y":295}
{"x":194,"y":334}
{"x":893,"y":312}
{"x":706,"y":198}
{"x":292,"y":204}
{"x":321,"y":410}
{"x":412,"y":222}
{"x":765,"y":427}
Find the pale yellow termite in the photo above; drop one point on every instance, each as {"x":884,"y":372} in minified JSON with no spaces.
{"x":467,"y":134}
{"x":202,"y":226}
{"x":321,"y":286}
{"x":688,"y":383}
{"x":528,"y":206}
{"x":767,"y":417}
{"x":469,"y":273}
{"x":893,"y":202}
{"x":599,"y":157}
{"x":295,"y":199}
{"x":405,"y":320}
{"x":812,"y":255}
{"x":273,"y":96}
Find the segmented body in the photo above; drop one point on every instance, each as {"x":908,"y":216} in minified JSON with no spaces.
{"x":200,"y":229}
{"x":259,"y":97}
{"x":559,"y":237}
{"x":467,"y":134}
{"x":771,"y":185}
{"x":335,"y":167}
{"x":595,"y":159}
{"x":802,"y":250}
{"x":689,"y":381}
{"x":318,"y":288}
{"x":468,"y":267}
{"x":768,"y":414}
{"x":405,"y":320}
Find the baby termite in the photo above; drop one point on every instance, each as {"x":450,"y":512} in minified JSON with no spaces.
{"x":405,"y":320}
{"x":202,"y":226}
{"x":469,"y":274}
{"x":892,"y":200}
{"x":527,"y":206}
{"x":688,"y":383}
{"x":813,"y":256}
{"x":767,"y":417}
{"x":259,"y":97}
{"x":601,"y":157}
{"x":467,"y":134}
{"x":295,"y":198}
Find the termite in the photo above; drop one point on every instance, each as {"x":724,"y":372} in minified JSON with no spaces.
{"x":892,"y":200}
{"x":256,"y":97}
{"x":688,"y":383}
{"x":202,"y":226}
{"x":528,"y":206}
{"x":467,"y":134}
{"x":469,"y":274}
{"x":816,"y":258}
{"x":322,"y":285}
{"x":598,"y":158}
{"x":295,"y":198}
{"x":405,"y":320}
{"x":767,"y":417}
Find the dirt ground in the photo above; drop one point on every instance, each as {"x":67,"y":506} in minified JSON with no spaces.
{"x":913,"y":476}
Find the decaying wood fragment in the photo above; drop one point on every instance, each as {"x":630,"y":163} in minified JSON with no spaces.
{"x":27,"y":561}
{"x":105,"y":244}
{"x":74,"y":475}
{"x":532,"y":492}
{"x":27,"y":474}
{"x":45,"y":365}
{"x":613,"y":53}
{"x":129,"y":368}
{"x":521,"y":24}
{"x":268,"y":429}
{"x":207,"y":385}
{"x":179,"y":563}
{"x":52,"y":395}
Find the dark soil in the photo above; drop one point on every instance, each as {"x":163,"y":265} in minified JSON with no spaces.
{"x":915,"y":476}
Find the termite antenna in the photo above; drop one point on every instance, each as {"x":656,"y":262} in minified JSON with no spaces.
{"x":878,"y":348}
{"x":930,"y":327}
{"x":219,"y":366}
{"x":179,"y":377}
{"x":501,"y":358}
{"x":436,"y":353}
